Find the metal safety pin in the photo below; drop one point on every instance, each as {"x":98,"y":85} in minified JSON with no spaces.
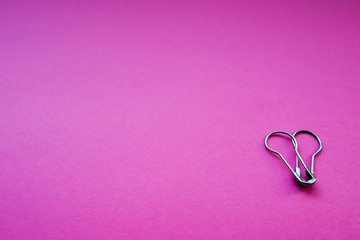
{"x":314,"y":154}
{"x":296,"y":173}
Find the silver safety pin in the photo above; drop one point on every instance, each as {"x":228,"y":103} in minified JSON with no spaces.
{"x":314,"y":154}
{"x":309,"y":173}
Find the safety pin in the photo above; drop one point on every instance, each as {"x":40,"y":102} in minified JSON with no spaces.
{"x":309,"y":173}
{"x":314,"y":154}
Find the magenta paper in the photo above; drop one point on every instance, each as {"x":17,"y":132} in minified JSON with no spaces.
{"x":146,"y":119}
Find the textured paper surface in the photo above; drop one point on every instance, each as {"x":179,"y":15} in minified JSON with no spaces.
{"x":146,"y":120}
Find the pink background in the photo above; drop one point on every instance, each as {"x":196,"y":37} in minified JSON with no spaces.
{"x":146,"y":119}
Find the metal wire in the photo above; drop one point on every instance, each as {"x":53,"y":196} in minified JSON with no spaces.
{"x":296,"y":172}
